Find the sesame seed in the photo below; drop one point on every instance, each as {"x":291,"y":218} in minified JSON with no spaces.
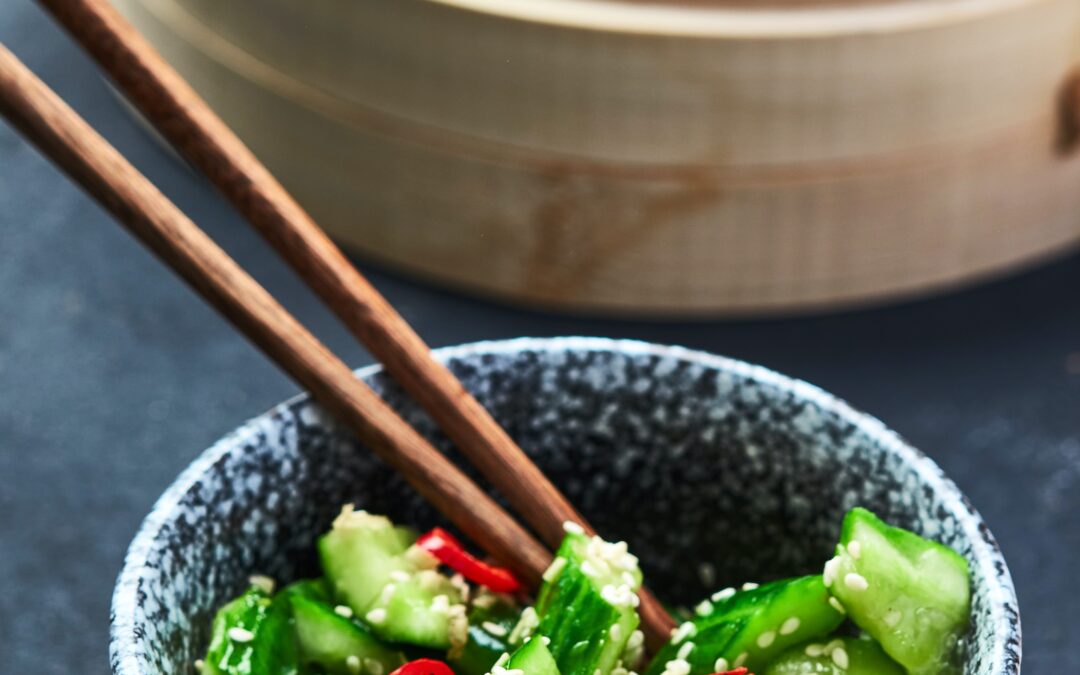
{"x":629,"y":579}
{"x":704,"y":608}
{"x":525,"y":625}
{"x":238,"y":634}
{"x":766,"y":639}
{"x":829,"y":574}
{"x":399,"y":575}
{"x":856,"y":582}
{"x":637,"y":638}
{"x":836,"y":605}
{"x":545,"y":639}
{"x":721,"y":665}
{"x":814,"y":651}
{"x":615,"y":631}
{"x":892,"y":617}
{"x":840,"y":658}
{"x":374,"y":666}
{"x":494,"y":628}
{"x":441,"y":604}
{"x":570,"y":527}
{"x":684,"y":631}
{"x":199,"y":663}
{"x":749,"y":586}
{"x":376,"y":616}
{"x":685,"y":650}
{"x":501,"y":661}
{"x":790,"y":626}
{"x":352,"y":662}
{"x":554,"y":568}
{"x":589,"y":569}
{"x":741,"y":659}
{"x":854,"y":549}
{"x":722,"y":595}
{"x":677,"y":667}
{"x":834,"y":645}
{"x":262,"y":582}
{"x":344,"y":611}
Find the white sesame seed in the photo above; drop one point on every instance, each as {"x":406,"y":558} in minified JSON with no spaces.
{"x":525,"y":625}
{"x":352,"y":662}
{"x":684,"y":631}
{"x":749,"y":586}
{"x":374,"y":666}
{"x":238,"y":634}
{"x":399,"y":575}
{"x":571,"y":527}
{"x":741,"y":659}
{"x":501,"y":661}
{"x":854,"y":549}
{"x":721,"y":665}
{"x":494,"y":628}
{"x":262,"y":582}
{"x":892,"y":617}
{"x":589,"y":569}
{"x":790,"y":626}
{"x":343,"y":611}
{"x":766,"y":639}
{"x":836,"y":605}
{"x":637,"y":638}
{"x":829,"y":574}
{"x":685,"y":650}
{"x":545,"y":639}
{"x":677,"y":667}
{"x":199,"y":663}
{"x":840,"y":658}
{"x":629,"y":579}
{"x":814,"y":650}
{"x":386,"y":594}
{"x":856,"y":581}
{"x":376,"y":616}
{"x":441,"y":604}
{"x":615,"y":631}
{"x":834,"y":645}
{"x":723,"y":594}
{"x":703,"y":608}
{"x":554,"y":568}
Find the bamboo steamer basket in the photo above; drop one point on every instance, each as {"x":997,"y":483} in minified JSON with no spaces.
{"x":665,"y":159}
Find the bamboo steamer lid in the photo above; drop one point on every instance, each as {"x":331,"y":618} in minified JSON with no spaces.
{"x":656,"y":158}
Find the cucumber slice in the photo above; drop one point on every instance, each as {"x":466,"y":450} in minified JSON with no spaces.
{"x":910,"y":594}
{"x":251,"y":636}
{"x":490,"y":626}
{"x":839,"y":656}
{"x":313,"y":589}
{"x":533,"y":658}
{"x":749,"y":628}
{"x":337,"y":644}
{"x":587,"y":604}
{"x":389,"y":584}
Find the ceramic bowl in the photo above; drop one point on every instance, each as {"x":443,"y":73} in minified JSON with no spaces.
{"x":715,"y":471}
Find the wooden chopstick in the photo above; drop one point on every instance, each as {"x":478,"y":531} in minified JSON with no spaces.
{"x":94,"y":164}
{"x":189,"y":124}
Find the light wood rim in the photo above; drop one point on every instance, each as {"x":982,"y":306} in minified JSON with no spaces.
{"x":697,"y":21}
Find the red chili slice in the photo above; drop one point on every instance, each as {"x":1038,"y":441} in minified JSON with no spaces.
{"x":424,"y":667}
{"x":737,"y":671}
{"x":441,"y":544}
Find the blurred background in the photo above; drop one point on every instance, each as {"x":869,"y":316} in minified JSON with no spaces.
{"x":882,"y":200}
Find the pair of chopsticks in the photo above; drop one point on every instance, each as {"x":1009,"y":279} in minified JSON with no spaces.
{"x":185,"y":120}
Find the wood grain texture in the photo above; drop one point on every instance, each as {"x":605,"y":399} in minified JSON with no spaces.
{"x":713,"y":161}
{"x":193,"y":129}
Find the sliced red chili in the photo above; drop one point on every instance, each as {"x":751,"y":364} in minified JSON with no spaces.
{"x":736,"y":671}
{"x":424,"y":667}
{"x":450,"y":552}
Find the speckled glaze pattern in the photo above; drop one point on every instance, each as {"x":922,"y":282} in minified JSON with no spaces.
{"x":715,"y":471}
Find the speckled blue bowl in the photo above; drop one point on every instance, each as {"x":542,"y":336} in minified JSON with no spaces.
{"x":714,"y":470}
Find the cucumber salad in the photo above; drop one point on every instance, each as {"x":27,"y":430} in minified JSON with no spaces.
{"x":391,"y":602}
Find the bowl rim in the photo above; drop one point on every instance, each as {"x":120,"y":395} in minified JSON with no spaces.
{"x":124,"y":643}
{"x":672,"y":19}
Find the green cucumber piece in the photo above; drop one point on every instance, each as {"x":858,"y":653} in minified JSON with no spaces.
{"x":533,"y":658}
{"x":313,"y":589}
{"x":910,"y":594}
{"x":251,"y":636}
{"x":860,"y":656}
{"x":489,"y":637}
{"x":336,"y":644}
{"x":587,"y":605}
{"x":390,"y":585}
{"x":749,"y":628}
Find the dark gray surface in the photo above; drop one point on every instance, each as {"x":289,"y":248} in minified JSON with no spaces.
{"x":115,"y":376}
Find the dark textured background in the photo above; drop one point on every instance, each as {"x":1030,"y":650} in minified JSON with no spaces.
{"x":114,"y":376}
